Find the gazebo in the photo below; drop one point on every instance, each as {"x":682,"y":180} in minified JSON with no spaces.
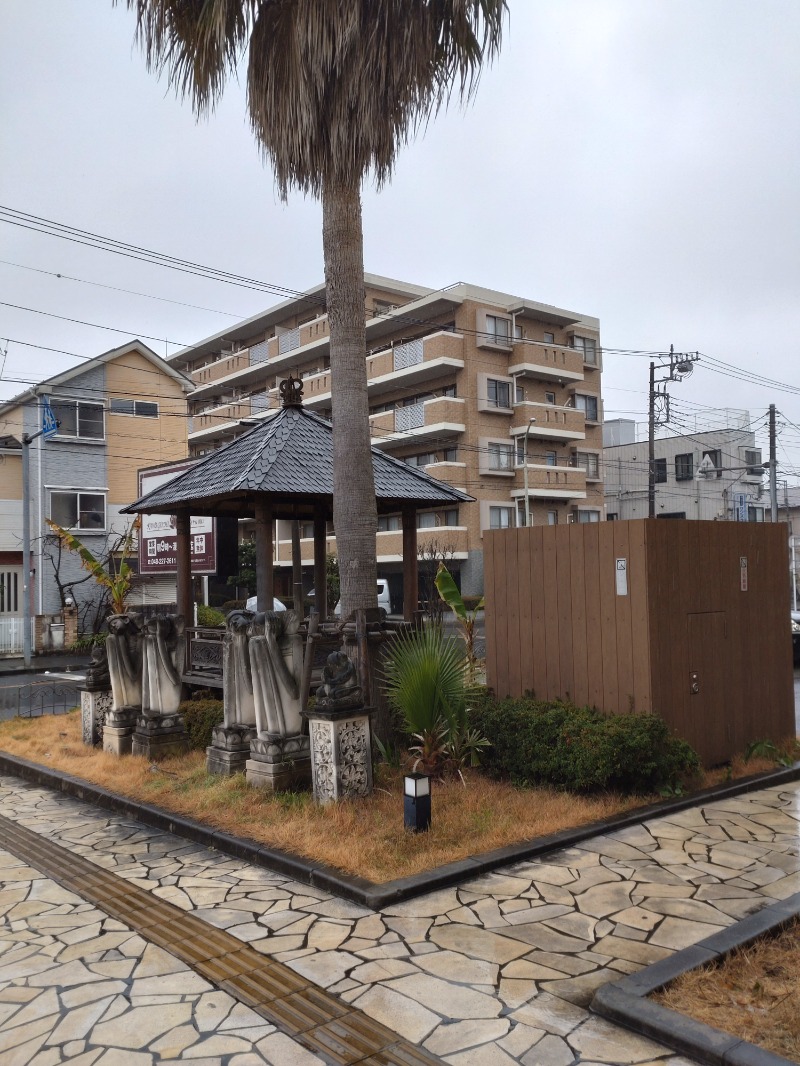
{"x":282,"y":468}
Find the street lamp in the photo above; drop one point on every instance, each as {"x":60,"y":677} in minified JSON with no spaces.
{"x":525,"y":473}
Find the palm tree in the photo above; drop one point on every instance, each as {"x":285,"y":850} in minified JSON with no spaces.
{"x":334,"y":88}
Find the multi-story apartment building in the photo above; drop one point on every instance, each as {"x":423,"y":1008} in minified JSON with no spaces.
{"x":712,"y":475}
{"x":494,"y":394}
{"x":118,"y":412}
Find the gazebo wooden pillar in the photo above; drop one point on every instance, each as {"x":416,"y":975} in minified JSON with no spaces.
{"x":320,"y":560}
{"x":265,"y":559}
{"x":410,"y":565}
{"x":185,"y":601}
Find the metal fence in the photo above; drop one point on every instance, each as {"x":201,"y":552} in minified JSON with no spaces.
{"x":11,"y":634}
{"x":38,"y":698}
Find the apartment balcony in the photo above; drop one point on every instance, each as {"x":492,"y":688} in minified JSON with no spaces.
{"x":550,"y":482}
{"x":438,"y":419}
{"x":455,"y":538}
{"x":551,"y":422}
{"x":221,"y":368}
{"x":213,"y":419}
{"x":546,"y":362}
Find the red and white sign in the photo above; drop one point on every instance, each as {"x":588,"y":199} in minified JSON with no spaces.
{"x":158,"y":536}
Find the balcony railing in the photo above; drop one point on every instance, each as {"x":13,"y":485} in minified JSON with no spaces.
{"x":412,"y":417}
{"x":228,"y":364}
{"x":546,"y":362}
{"x":408,"y":354}
{"x":289,"y":340}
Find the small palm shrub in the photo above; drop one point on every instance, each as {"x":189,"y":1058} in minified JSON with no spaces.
{"x":535,"y":742}
{"x":425,"y":679}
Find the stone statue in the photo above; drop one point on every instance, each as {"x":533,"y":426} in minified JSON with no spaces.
{"x":276,"y":659}
{"x":339,"y":689}
{"x":163,"y":662}
{"x":237,"y":677}
{"x":124,"y":654}
{"x":98,"y":677}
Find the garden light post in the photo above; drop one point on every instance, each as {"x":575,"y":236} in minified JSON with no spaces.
{"x":525,"y":474}
{"x":417,"y":802}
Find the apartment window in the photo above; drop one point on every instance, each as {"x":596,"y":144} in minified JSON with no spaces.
{"x":501,"y":456}
{"x":588,"y":516}
{"x":549,"y":338}
{"x":306,"y":530}
{"x":517,"y":332}
{"x":450,"y":455}
{"x":549,"y":397}
{"x":139,"y":408}
{"x":498,"y":329}
{"x":753,"y":462}
{"x":501,"y":517}
{"x":450,"y":517}
{"x":420,"y":460}
{"x":612,"y":516}
{"x":499,"y":393}
{"x":79,"y":419}
{"x":520,"y":451}
{"x":426,"y":520}
{"x":389,"y":523}
{"x":550,"y":459}
{"x":78,"y":510}
{"x":589,"y":462}
{"x":589,"y":348}
{"x":660,"y":471}
{"x":519,"y":393}
{"x":587,"y":404}
{"x":684,"y":467}
{"x":552,"y":518}
{"x":755,"y":514}
{"x":714,"y":456}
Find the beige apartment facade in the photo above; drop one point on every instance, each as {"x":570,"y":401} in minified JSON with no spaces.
{"x":489,"y":392}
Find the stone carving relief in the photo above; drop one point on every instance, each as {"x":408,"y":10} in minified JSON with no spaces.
{"x":163,"y":659}
{"x":339,"y":689}
{"x":237,"y":675}
{"x":276,"y":661}
{"x":124,"y":654}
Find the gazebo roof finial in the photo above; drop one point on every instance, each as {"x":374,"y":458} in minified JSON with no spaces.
{"x":291,"y":390}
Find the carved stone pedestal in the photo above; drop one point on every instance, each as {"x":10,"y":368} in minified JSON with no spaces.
{"x":341,"y":753}
{"x":230,"y":749}
{"x":160,"y":736}
{"x":279,"y":763}
{"x":118,"y":730}
{"x":95,"y":705}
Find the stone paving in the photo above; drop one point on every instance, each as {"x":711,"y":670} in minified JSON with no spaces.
{"x":497,"y":971}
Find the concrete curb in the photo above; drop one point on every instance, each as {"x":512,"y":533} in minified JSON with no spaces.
{"x":358,"y":889}
{"x":625,"y":1001}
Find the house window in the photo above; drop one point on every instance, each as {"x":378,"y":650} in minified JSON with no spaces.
{"x":552,"y":518}
{"x":684,"y":467}
{"x":660,"y":471}
{"x":78,"y":510}
{"x":79,"y":419}
{"x":588,"y":516}
{"x":755,"y":514}
{"x":714,"y":456}
{"x":140,"y":408}
{"x":499,"y":393}
{"x":549,"y":397}
{"x":587,"y":404}
{"x":753,"y":462}
{"x":589,"y":348}
{"x":549,"y":338}
{"x":501,"y":517}
{"x":498,"y":329}
{"x":501,"y":456}
{"x":389,"y":523}
{"x":589,"y":462}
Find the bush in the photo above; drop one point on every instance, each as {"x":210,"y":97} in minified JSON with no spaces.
{"x":209,"y":616}
{"x":233,"y":605}
{"x":200,"y":717}
{"x":580,"y":749}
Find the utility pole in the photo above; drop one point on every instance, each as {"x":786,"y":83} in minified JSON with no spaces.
{"x":680,"y":366}
{"x":49,"y":427}
{"x":773,"y":467}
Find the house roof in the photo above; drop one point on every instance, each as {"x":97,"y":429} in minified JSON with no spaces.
{"x":9,"y":443}
{"x":89,"y":364}
{"x":289,"y":458}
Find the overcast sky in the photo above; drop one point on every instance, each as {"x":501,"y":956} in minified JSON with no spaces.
{"x":637,"y":161}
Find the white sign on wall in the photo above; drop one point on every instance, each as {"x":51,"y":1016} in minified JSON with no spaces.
{"x":622,"y":577}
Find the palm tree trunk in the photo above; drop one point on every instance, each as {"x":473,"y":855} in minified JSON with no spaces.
{"x":354,"y":511}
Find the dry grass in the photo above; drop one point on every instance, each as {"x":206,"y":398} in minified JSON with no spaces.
{"x":363,"y":837}
{"x":754,"y":994}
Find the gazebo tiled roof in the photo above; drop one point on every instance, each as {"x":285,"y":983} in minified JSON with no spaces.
{"x":289,"y":458}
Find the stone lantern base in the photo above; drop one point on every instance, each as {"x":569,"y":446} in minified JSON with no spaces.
{"x":95,"y":705}
{"x":159,"y":736}
{"x":118,"y":730}
{"x":341,"y":753}
{"x":229,"y":750}
{"x":279,"y":763}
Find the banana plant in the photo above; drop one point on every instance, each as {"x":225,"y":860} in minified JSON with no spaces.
{"x":117,"y":580}
{"x":448,"y":591}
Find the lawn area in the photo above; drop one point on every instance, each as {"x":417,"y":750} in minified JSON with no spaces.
{"x":362,"y":837}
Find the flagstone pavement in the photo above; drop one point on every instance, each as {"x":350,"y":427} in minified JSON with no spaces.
{"x":499,"y":970}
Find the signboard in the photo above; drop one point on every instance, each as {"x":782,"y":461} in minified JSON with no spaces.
{"x":49,"y":423}
{"x":740,"y":506}
{"x":158,"y":537}
{"x":622,"y":577}
{"x":743,"y":573}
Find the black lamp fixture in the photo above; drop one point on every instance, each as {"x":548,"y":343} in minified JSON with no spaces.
{"x":417,"y":802}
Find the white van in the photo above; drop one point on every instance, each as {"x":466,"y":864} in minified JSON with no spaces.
{"x":252,"y":604}
{"x":384,"y":600}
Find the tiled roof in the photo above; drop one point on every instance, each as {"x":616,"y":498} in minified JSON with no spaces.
{"x":290,"y":456}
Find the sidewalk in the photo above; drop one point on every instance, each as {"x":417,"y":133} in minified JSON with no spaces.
{"x":496,"y":971}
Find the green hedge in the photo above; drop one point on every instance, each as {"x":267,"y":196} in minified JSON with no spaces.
{"x":580,"y":749}
{"x":200,"y":717}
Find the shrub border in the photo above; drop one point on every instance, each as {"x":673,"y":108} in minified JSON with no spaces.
{"x":625,"y":1001}
{"x":359,"y":889}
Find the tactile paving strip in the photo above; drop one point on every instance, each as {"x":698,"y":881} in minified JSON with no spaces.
{"x":331,"y":1028}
